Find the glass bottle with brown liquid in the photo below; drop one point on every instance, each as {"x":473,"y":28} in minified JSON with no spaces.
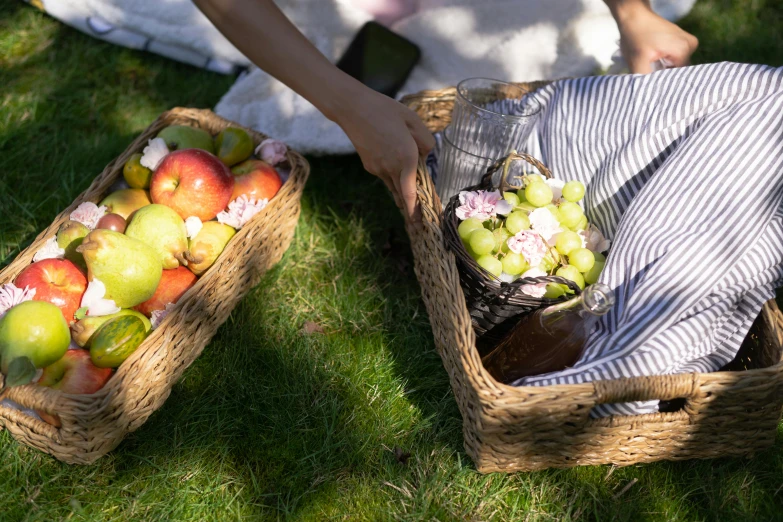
{"x":549,"y":339}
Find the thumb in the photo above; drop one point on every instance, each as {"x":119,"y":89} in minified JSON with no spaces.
{"x":406,"y":188}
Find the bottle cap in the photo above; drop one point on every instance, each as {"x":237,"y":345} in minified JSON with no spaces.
{"x":598,"y":298}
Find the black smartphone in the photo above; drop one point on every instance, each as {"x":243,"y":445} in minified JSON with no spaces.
{"x":380,"y":58}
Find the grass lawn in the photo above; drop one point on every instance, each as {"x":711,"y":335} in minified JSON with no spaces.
{"x":269,"y":422}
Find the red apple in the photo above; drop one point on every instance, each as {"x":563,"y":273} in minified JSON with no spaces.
{"x":173,"y":284}
{"x":257,"y":179}
{"x":57,"y":281}
{"x":193,"y":182}
{"x":74,"y":373}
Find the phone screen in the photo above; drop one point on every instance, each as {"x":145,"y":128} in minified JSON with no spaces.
{"x":380,"y":58}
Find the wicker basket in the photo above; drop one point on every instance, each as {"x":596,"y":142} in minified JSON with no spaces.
{"x":495,"y":306}
{"x":93,"y":425}
{"x":528,"y":428}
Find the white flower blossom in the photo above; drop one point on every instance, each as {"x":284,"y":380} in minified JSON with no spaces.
{"x":193,"y":226}
{"x":547,"y":225}
{"x":534,"y":290}
{"x":595,"y":240}
{"x":11,"y":295}
{"x":154,"y":153}
{"x":240,"y":211}
{"x":93,"y":300}
{"x":507,"y":278}
{"x":557,"y":188}
{"x":88,"y":214}
{"x":50,"y":250}
{"x":159,"y":315}
{"x":272,"y":151}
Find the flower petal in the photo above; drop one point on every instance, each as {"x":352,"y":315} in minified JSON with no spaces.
{"x":93,"y":300}
{"x":272,"y":151}
{"x":50,"y":250}
{"x":154,"y":153}
{"x":11,"y":295}
{"x":534,"y":290}
{"x":88,"y":214}
{"x":193,"y":226}
{"x":241,"y":210}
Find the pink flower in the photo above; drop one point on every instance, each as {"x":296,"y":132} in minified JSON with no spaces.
{"x":272,"y":151}
{"x":482,"y":205}
{"x":158,"y":316}
{"x":240,"y":211}
{"x":595,"y":240}
{"x":11,"y":295}
{"x":88,"y":214}
{"x":50,"y":250}
{"x":530,"y":245}
{"x":534,"y":290}
{"x":154,"y":153}
{"x":543,"y":222}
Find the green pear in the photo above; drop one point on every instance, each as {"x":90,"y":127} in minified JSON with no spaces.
{"x":233,"y":145}
{"x":179,"y":137}
{"x":205,"y":248}
{"x":129,"y":268}
{"x":83,"y":330}
{"x":126,"y":201}
{"x":164,"y":230}
{"x":69,"y":236}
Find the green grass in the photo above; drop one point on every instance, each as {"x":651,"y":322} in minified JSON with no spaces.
{"x":269,"y":422}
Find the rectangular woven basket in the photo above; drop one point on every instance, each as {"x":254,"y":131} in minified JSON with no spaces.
{"x":731,"y":412}
{"x":93,"y":425}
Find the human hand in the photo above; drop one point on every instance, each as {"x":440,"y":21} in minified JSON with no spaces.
{"x":646,"y":38}
{"x":390,"y":139}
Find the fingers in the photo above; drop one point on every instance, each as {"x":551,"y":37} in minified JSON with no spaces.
{"x":405,"y":186}
{"x":424,"y":139}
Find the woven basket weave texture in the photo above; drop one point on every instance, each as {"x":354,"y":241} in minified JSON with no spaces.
{"x":93,"y":425}
{"x":529,"y":428}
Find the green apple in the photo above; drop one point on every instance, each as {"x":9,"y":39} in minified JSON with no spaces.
{"x":178,"y":137}
{"x":233,"y":145}
{"x":126,"y":201}
{"x":35,"y":331}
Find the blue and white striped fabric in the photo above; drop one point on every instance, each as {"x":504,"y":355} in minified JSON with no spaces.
{"x":684,"y":172}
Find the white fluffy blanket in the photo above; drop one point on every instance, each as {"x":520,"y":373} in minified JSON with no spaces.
{"x":516,"y":40}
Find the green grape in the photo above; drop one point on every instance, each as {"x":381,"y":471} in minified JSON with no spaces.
{"x":591,"y":276}
{"x":468,"y":226}
{"x":514,"y":264}
{"x":534,"y":178}
{"x":512,"y":198}
{"x":517,"y":221}
{"x":555,"y":290}
{"x":482,"y":241}
{"x":582,"y":225}
{"x":552,"y":208}
{"x":570,"y":272}
{"x":526,"y":207}
{"x":570,"y":214}
{"x":599,"y":257}
{"x":548,"y":263}
{"x":471,"y":253}
{"x":521,"y":196}
{"x":582,"y":259}
{"x":573,"y":191}
{"x":501,"y":236}
{"x":490,"y":264}
{"x":566,"y":242}
{"x":538,"y":194}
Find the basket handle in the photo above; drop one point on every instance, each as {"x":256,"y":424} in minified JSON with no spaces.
{"x":505,"y":163}
{"x":656,"y":387}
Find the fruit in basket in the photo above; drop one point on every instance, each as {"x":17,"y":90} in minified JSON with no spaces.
{"x":116,"y":340}
{"x":592,"y":275}
{"x":73,"y":373}
{"x":512,"y":198}
{"x":467,"y":226}
{"x":517,"y":221}
{"x":207,"y":245}
{"x":164,"y":230}
{"x":56,"y":281}
{"x":192,"y":182}
{"x":83,"y":330}
{"x":179,"y":137}
{"x":172,"y":285}
{"x":573,"y":191}
{"x":233,"y":145}
{"x":129,"y":268}
{"x":514,"y":263}
{"x":69,"y":236}
{"x":113,"y":222}
{"x":33,"y":333}
{"x":571,"y":272}
{"x":136,"y":175}
{"x":126,"y":201}
{"x":581,"y":259}
{"x":481,"y":241}
{"x":567,"y":241}
{"x":570,"y":214}
{"x":501,"y":236}
{"x":538,"y":194}
{"x":491,"y":264}
{"x":257,"y":179}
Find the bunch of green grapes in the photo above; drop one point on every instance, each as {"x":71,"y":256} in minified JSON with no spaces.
{"x":486,"y":241}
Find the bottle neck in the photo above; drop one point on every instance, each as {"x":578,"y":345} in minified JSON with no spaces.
{"x":596,"y":299}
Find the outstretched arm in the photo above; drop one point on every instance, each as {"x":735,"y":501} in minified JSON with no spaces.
{"x":645,"y":37}
{"x":387,"y":135}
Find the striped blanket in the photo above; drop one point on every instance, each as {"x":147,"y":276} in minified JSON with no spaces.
{"x":684,"y":172}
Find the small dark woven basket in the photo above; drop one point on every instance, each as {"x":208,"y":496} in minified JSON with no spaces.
{"x":495,"y":306}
